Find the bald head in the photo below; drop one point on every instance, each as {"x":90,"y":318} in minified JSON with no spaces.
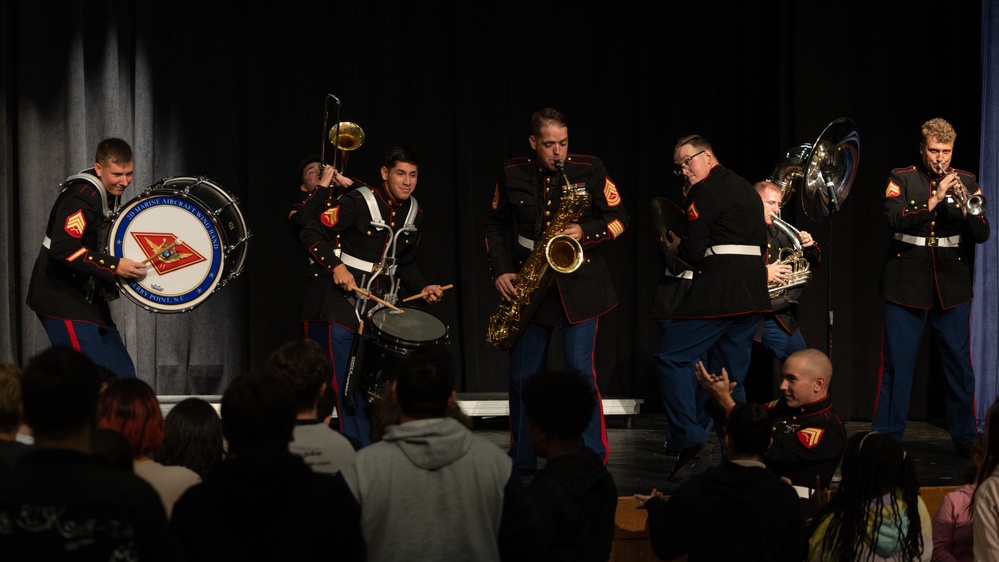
{"x":807,"y":374}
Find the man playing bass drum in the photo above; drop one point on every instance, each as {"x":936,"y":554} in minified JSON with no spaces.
{"x":526,"y":197}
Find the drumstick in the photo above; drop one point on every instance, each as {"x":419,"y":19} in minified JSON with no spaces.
{"x":376,"y":299}
{"x":162,"y":251}
{"x":424,"y":293}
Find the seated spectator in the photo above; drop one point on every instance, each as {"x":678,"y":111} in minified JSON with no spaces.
{"x":61,"y":486}
{"x":431,"y":489}
{"x":304,"y":367}
{"x":113,"y":448}
{"x":261,"y":502}
{"x":875,"y":513}
{"x":11,"y":450}
{"x":986,"y":503}
{"x":808,"y":435}
{"x":130,"y":407}
{"x":574,"y":494}
{"x":739,"y":510}
{"x":193,"y":437}
{"x":953,"y":533}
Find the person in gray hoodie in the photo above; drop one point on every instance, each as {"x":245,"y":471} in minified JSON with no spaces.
{"x":431,"y":489}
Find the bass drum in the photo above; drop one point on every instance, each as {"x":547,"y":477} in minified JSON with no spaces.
{"x":391,"y":337}
{"x":210,"y":239}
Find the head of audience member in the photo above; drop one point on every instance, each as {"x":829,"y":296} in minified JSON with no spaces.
{"x":193,"y":437}
{"x":113,"y":165}
{"x":305,"y":368}
{"x":130,"y":407}
{"x":693,"y":158}
{"x":990,"y":460}
{"x":549,"y":137}
{"x":309,"y":173}
{"x":807,"y":374}
{"x":875,"y":470}
{"x":107,"y":376}
{"x":559,"y":405}
{"x":10,"y":401}
{"x":59,"y":390}
{"x":113,"y":448}
{"x":937,"y":144}
{"x":400,"y":172}
{"x":424,"y":387}
{"x":977,"y":457}
{"x":749,"y":433}
{"x":258,"y":416}
{"x":771,"y":195}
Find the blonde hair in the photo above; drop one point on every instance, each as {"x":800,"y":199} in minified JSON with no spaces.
{"x":940,"y":130}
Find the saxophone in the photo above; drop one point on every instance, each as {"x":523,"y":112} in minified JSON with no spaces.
{"x":553,"y":253}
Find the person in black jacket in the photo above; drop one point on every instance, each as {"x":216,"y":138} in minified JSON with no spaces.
{"x":526,"y":199}
{"x":927,"y":279}
{"x":574,"y":494}
{"x":760,"y":513}
{"x":73,"y":277}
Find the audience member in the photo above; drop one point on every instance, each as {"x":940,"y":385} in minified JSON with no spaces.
{"x":953,"y":532}
{"x":573,"y":493}
{"x":130,"y":407}
{"x":808,"y":435}
{"x":385,"y":411}
{"x":261,"y":491}
{"x":11,"y":450}
{"x":453,"y":495}
{"x":113,"y":448}
{"x":193,"y":436}
{"x":986,"y":500}
{"x":760,"y":514}
{"x":61,"y":502}
{"x":875,"y":513}
{"x":305,"y":368}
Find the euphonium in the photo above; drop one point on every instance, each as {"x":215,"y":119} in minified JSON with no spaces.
{"x":800,"y":272}
{"x":553,"y":253}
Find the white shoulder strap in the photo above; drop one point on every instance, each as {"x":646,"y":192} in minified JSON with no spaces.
{"x":96,"y":182}
{"x":369,"y":198}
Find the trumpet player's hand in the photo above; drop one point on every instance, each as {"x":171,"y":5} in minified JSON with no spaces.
{"x":343,"y":278}
{"x":327,"y":175}
{"x":575,"y":231}
{"x":129,"y":269}
{"x":806,"y":239}
{"x":505,"y":286}
{"x":434,"y":293}
{"x":778,"y":272}
{"x":340,"y":180}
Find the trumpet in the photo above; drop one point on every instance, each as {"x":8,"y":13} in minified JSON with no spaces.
{"x":975,"y":204}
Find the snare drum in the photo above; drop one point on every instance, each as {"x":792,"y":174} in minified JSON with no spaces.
{"x":393,"y":336}
{"x":211,"y":240}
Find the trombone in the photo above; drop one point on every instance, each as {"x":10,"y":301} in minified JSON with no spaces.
{"x":345,"y":136}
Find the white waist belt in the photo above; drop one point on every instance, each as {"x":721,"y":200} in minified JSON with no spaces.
{"x":685,"y":274}
{"x":949,"y":242}
{"x":525,"y":242}
{"x":46,"y":242}
{"x":357,"y":263}
{"x":732,"y":249}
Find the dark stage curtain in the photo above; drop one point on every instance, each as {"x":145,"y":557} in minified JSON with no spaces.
{"x":235,"y":92}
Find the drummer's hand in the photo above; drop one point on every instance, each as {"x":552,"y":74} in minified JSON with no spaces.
{"x":674,"y":241}
{"x":343,"y":278}
{"x":504,"y":284}
{"x":130,"y":269}
{"x":434,"y":293}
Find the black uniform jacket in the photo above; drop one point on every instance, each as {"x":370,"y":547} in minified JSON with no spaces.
{"x":785,"y":305}
{"x":918,"y":276}
{"x":722,"y":209}
{"x":346,"y":225}
{"x":807,"y":441}
{"x":525,"y":199}
{"x":74,"y":276}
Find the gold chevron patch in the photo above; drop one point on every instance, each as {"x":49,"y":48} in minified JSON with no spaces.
{"x":893,"y":190}
{"x":75,"y":224}
{"x":611,"y":194}
{"x":330,"y":216}
{"x":615,"y":227}
{"x":810,"y":436}
{"x":692,"y":214}
{"x":496,"y":197}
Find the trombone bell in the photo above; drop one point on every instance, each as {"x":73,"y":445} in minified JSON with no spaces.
{"x":347,"y":136}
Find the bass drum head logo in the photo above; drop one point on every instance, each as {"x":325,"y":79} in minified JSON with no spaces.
{"x":182,"y":276}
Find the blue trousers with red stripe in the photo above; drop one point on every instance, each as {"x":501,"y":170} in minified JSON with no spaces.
{"x":337,"y":341}
{"x":901,"y":333}
{"x":528,"y":356}
{"x":101,"y":345}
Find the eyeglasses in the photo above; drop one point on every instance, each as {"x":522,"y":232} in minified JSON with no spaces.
{"x":685,"y":163}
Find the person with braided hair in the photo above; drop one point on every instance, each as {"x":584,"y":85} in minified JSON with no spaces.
{"x":875,"y":513}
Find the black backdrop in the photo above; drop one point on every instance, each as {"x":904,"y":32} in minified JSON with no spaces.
{"x":236,"y":92}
